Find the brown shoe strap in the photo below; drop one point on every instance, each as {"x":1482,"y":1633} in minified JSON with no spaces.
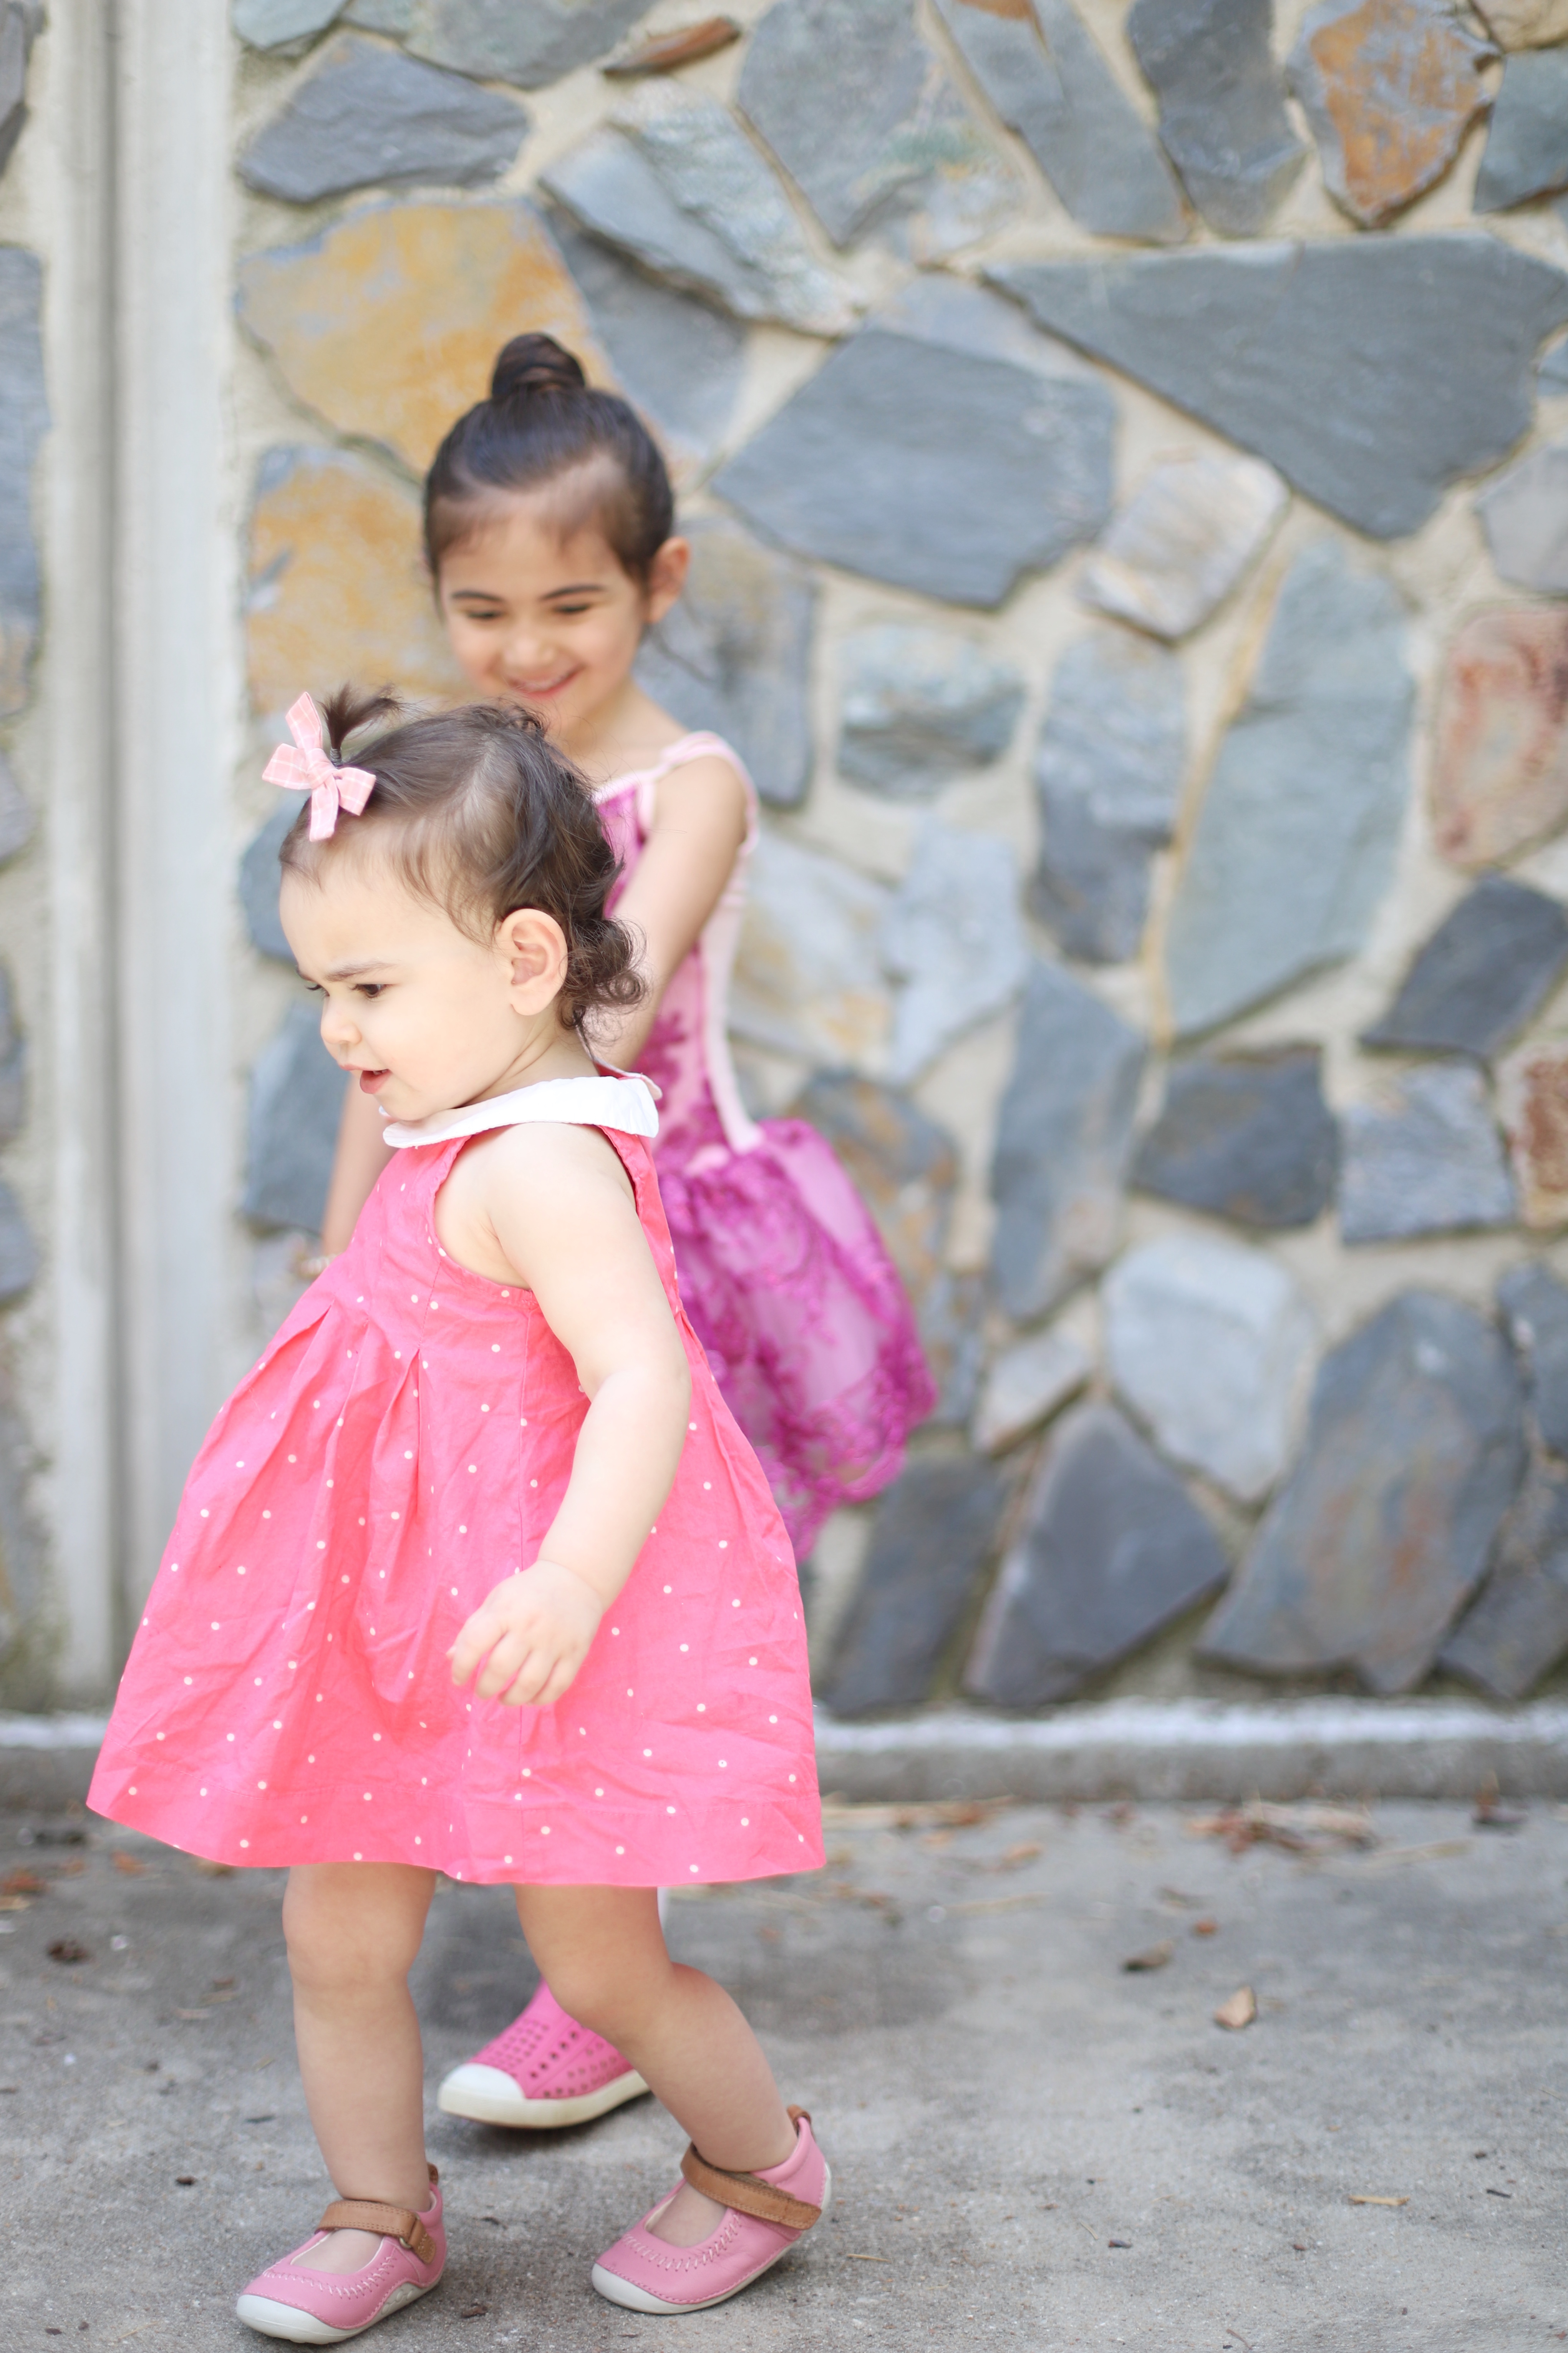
{"x":400,"y":2223}
{"x":747,"y":2193}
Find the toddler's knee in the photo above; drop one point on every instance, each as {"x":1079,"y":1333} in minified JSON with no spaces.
{"x":338,"y":1946}
{"x":598,"y":1991}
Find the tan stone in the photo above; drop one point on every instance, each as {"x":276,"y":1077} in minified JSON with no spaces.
{"x":1390,"y":88}
{"x":1532,"y":1100}
{"x":1525,"y":24}
{"x":337,"y":585}
{"x":388,"y":325}
{"x":1178,"y":549}
{"x":1499,"y":777}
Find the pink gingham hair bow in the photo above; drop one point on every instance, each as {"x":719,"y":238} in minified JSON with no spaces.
{"x":303,"y":767}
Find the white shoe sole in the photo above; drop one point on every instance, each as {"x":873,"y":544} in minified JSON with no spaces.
{"x":270,"y":2318}
{"x":490,"y":2096}
{"x":615,"y":2290}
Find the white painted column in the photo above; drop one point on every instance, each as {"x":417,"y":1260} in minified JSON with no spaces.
{"x":177,"y":705}
{"x":73,"y":154}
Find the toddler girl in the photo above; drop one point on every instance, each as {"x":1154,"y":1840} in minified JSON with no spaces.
{"x":475,"y":1572}
{"x":549,"y":536}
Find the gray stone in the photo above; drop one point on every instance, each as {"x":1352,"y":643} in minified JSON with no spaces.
{"x":1245,"y":1136}
{"x":1516,"y":1630}
{"x":1212,"y":1346}
{"x":735,"y":655}
{"x":1113,"y":1548}
{"x":1485,"y":969}
{"x":1222,"y":105}
{"x":296,"y":1105}
{"x":19,"y":22}
{"x":921,"y":706}
{"x":943,"y":447}
{"x":1534,"y":1307}
{"x":394,"y":16}
{"x":1108,"y":777}
{"x":952,"y":1335}
{"x":1551,"y":375}
{"x":954,"y":940}
{"x":680,"y":359}
{"x":1325,"y":358}
{"x":279,"y":24}
{"x":260,"y":877}
{"x":1026,"y":1384}
{"x":1044,"y":75}
{"x":18,"y":1251}
{"x":1390,"y":92}
{"x":13,"y":1064}
{"x":15,"y":816}
{"x":1524,"y":514}
{"x":673,"y":180}
{"x":1295,"y":841}
{"x":1192,"y":527}
{"x":1413,"y":1449}
{"x":368,"y":114}
{"x":808,"y":977}
{"x":859,"y":112}
{"x":1063,"y":1141}
{"x":533,"y":44}
{"x":1527,"y":140}
{"x":1428,"y":1160}
{"x":932,"y":1537}
{"x":24,"y":418}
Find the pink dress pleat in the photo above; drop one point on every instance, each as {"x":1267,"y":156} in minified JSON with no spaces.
{"x":401,"y":1446}
{"x":784,"y":1275}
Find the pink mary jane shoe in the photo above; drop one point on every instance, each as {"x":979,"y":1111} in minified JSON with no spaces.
{"x":325,"y":2307}
{"x":544,"y":2071}
{"x":768,"y":2212}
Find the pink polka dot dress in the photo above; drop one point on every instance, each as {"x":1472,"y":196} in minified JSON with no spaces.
{"x":403,"y":1445}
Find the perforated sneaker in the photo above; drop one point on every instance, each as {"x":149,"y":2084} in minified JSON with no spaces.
{"x":542,"y":2071}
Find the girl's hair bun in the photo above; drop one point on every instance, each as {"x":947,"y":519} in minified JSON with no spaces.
{"x":535,"y":363}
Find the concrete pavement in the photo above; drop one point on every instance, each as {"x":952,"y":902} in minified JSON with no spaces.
{"x":1034,"y":2146}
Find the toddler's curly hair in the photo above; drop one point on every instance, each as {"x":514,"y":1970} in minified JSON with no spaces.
{"x":477,"y":813}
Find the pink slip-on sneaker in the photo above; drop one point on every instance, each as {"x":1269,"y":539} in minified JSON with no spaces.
{"x":768,"y":2212}
{"x":543,"y":2071}
{"x":311,"y":2308}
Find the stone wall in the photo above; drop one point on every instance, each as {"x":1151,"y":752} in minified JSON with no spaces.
{"x":1126,"y":453}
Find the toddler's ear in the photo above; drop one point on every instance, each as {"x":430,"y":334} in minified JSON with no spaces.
{"x":666,"y":578}
{"x":533,"y":947}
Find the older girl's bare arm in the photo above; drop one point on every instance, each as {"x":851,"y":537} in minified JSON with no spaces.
{"x":699,"y":825}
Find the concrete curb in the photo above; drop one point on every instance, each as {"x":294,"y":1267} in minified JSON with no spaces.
{"x":1132,"y":1748}
{"x":1204,"y":1749}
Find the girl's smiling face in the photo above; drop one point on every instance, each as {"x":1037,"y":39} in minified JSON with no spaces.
{"x":423,"y":1015}
{"x":540,"y":610}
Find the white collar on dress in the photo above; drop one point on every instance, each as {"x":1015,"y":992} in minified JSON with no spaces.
{"x":623,"y":1101}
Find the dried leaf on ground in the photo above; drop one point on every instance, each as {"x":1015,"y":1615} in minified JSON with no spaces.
{"x":23,"y":1883}
{"x":1490,"y":1813}
{"x":1206,"y":1927}
{"x":951,"y":1813}
{"x":129,"y":1865}
{"x":67,"y":1949}
{"x":212,"y":1869}
{"x":1358,"y":2198}
{"x":1306,"y":1827}
{"x":1154,"y":1958}
{"x":1240,"y":2010}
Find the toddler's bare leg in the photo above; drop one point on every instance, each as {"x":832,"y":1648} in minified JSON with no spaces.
{"x":353,"y":1931}
{"x":603,"y":1957}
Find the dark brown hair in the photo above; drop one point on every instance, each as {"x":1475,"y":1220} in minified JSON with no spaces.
{"x":544,"y":420}
{"x":478,"y":812}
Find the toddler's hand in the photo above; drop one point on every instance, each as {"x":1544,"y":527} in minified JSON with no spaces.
{"x":536,"y":1628}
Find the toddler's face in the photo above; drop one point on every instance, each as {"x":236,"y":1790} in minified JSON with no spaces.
{"x":550,"y":621}
{"x":425,"y":1017}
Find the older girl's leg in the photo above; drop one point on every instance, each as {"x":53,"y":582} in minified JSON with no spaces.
{"x":354,"y":1930}
{"x":603,"y":1955}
